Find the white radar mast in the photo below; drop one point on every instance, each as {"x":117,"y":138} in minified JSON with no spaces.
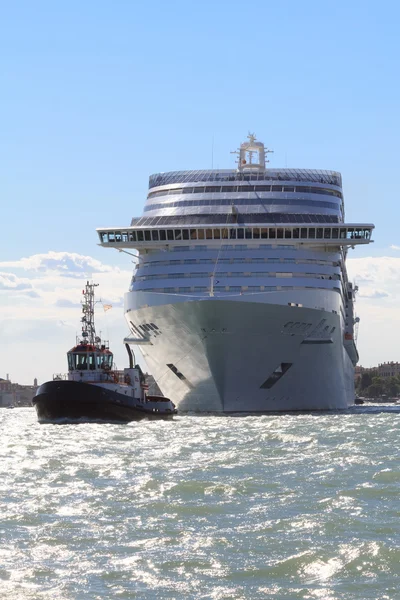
{"x":252,"y":155}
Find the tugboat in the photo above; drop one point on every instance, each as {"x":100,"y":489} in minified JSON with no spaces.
{"x":93,"y":390}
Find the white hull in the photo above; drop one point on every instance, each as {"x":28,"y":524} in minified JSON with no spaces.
{"x":224,"y":351}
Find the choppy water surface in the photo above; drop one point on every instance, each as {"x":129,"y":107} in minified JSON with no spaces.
{"x":295,"y":506}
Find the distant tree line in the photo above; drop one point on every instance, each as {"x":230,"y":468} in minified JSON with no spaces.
{"x":370,"y":385}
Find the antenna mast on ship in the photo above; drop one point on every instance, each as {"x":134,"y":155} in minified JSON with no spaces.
{"x":87,"y":320}
{"x":252,"y":155}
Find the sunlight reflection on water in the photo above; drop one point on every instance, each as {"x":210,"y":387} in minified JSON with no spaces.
{"x":280,"y":506}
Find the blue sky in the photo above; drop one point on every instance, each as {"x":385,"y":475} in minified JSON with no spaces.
{"x":95,"y":96}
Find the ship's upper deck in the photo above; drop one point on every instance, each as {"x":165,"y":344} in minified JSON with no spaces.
{"x":226,"y":176}
{"x":251,"y":188}
{"x":252,"y":202}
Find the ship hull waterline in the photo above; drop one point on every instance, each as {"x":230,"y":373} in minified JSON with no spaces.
{"x":73,"y":401}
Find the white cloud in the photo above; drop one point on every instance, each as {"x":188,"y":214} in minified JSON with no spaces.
{"x":381,"y":271}
{"x":373,"y":294}
{"x":9,"y":281}
{"x":378,"y":279}
{"x":68,"y":264}
{"x":394,"y":247}
{"x":41,"y":306}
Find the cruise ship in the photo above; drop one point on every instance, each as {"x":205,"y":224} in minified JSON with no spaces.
{"x":240,"y":299}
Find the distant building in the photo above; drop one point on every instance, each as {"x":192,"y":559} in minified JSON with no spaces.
{"x":359,"y":370}
{"x":6,"y":395}
{"x":16,"y":394}
{"x":389,"y":369}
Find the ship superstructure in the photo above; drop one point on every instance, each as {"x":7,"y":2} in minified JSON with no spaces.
{"x":240,"y":299}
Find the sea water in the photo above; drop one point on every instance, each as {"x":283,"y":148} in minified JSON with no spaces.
{"x":279,"y":506}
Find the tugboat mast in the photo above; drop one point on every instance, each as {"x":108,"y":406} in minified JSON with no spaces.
{"x":87,"y":320}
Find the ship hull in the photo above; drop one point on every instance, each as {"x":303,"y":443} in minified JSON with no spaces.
{"x":226,"y":356}
{"x":72,"y":401}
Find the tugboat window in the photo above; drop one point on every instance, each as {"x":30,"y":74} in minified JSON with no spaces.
{"x":92,"y":362}
{"x":81,"y":362}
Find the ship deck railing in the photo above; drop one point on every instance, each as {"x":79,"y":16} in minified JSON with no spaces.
{"x":143,"y":237}
{"x":220,"y":175}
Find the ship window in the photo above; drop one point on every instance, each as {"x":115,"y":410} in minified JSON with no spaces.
{"x":350,"y":233}
{"x":193,"y":234}
{"x":176,"y":371}
{"x":111,"y":237}
{"x":217,"y":234}
{"x":139,"y":236}
{"x":288,"y":189}
{"x":118,"y":237}
{"x":185,"y":234}
{"x":279,"y":233}
{"x":240,"y":233}
{"x":296,"y":232}
{"x":155,"y":235}
{"x":303,"y":232}
{"x":248,"y":233}
{"x":276,"y":188}
{"x":104,"y":361}
{"x":200,"y":234}
{"x":319,"y":233}
{"x":170,"y":234}
{"x":147,"y":236}
{"x":335,"y":233}
{"x":104,"y":237}
{"x":162,"y":234}
{"x":327,"y":233}
{"x":342,"y":234}
{"x":276,"y":375}
{"x":70,"y":362}
{"x":198,"y":190}
{"x":209,"y":234}
{"x":232,"y":234}
{"x":311,"y":233}
{"x":272,"y":233}
{"x":256,"y":233}
{"x":288,"y":234}
{"x":224,"y":234}
{"x":81,"y":361}
{"x":178,"y":234}
{"x":92,"y":362}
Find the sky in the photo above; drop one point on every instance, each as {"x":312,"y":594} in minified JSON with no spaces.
{"x":97,"y":95}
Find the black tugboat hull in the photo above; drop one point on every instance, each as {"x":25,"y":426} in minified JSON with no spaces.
{"x":73,"y":401}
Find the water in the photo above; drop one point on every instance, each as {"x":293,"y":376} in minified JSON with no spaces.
{"x":290,"y":506}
